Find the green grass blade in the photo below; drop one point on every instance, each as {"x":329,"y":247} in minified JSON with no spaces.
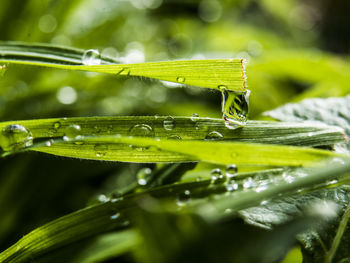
{"x":119,"y":139}
{"x":213,"y":73}
{"x":186,"y":128}
{"x":34,"y":53}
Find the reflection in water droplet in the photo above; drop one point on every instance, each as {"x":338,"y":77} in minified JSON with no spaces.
{"x":14,"y":137}
{"x":180,"y":79}
{"x":169,"y":123}
{"x":100,"y":150}
{"x":231,"y":170}
{"x":72,"y":132}
{"x":91,"y":57}
{"x":214,"y":135}
{"x":235,"y":107}
{"x":142,"y":130}
{"x":143,"y":176}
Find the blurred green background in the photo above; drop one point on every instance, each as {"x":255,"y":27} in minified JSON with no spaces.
{"x":294,"y":49}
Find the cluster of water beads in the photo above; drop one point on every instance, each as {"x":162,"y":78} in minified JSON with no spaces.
{"x":15,"y":137}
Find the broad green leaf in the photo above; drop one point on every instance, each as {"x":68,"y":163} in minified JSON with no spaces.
{"x":215,"y":74}
{"x":331,"y":111}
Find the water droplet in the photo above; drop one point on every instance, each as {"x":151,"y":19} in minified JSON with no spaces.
{"x":232,"y":186}
{"x":48,"y":143}
{"x":142,"y":130}
{"x":214,"y":135}
{"x":174,"y":137}
{"x":91,"y":57}
{"x":235,"y":107}
{"x":194,"y":117}
{"x":288,"y":177}
{"x":2,"y":70}
{"x":115,"y":216}
{"x":248,"y":183}
{"x":102,"y":198}
{"x":169,"y":123}
{"x":231,"y":170}
{"x":56,"y":125}
{"x":183,"y":197}
{"x":217,"y":177}
{"x":72,"y":132}
{"x":228,"y":211}
{"x":180,"y":79}
{"x":15,"y":137}
{"x":143,"y":176}
{"x":100,"y":150}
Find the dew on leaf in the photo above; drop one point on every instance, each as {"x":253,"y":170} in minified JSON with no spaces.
{"x":214,"y":135}
{"x":91,"y":57}
{"x":100,"y":150}
{"x":141,"y":130}
{"x":169,"y":123}
{"x":14,"y":137}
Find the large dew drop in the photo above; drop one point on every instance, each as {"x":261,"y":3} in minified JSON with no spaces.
{"x":15,"y":137}
{"x":235,"y":106}
{"x":91,"y":57}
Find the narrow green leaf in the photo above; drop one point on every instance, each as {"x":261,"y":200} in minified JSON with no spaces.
{"x":213,"y":73}
{"x":106,"y":138}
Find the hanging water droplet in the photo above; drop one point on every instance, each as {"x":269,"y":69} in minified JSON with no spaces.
{"x":217,"y":177}
{"x":142,"y":130}
{"x":288,"y":177}
{"x":100,"y":150}
{"x":14,"y":137}
{"x":231,"y":170}
{"x":143,"y":176}
{"x":183,"y":197}
{"x":169,"y":123}
{"x":91,"y":57}
{"x":214,"y":135}
{"x":235,"y":107}
{"x":180,"y":79}
{"x":72,"y":132}
{"x":115,"y":216}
